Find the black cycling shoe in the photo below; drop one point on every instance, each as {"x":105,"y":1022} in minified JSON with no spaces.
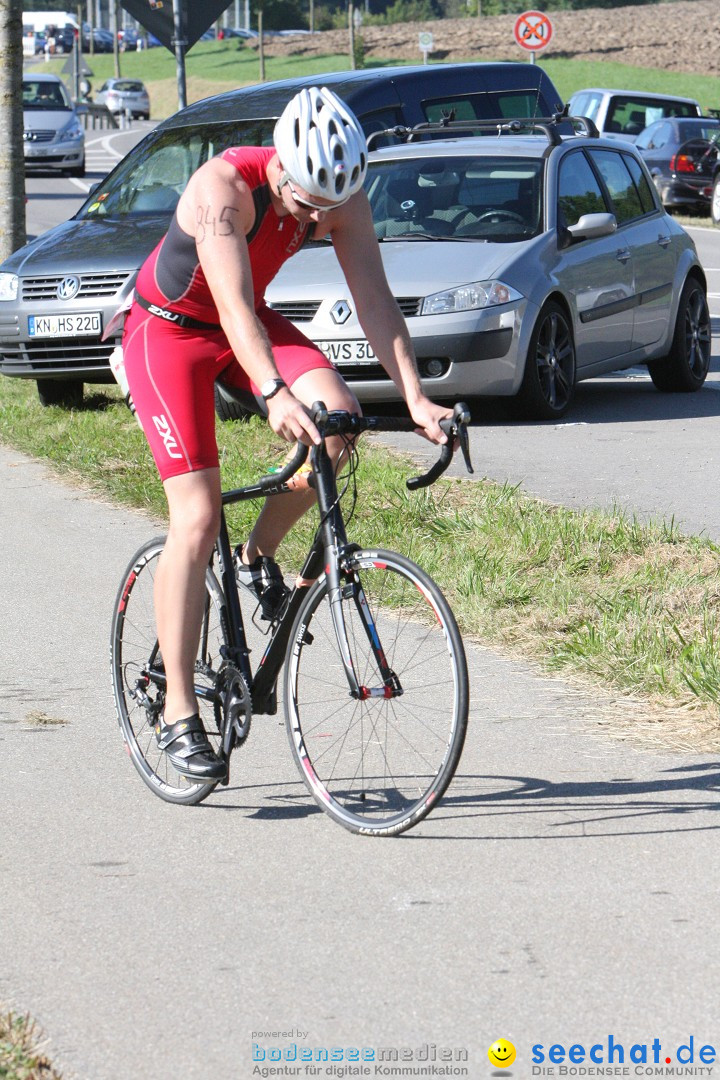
{"x":189,"y":750}
{"x":263,"y":578}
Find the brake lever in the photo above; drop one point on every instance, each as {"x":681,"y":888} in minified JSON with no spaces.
{"x":455,"y":427}
{"x":461,"y":416}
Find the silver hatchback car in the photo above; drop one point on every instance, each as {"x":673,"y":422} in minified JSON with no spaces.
{"x":522,"y":264}
{"x":125,"y":96}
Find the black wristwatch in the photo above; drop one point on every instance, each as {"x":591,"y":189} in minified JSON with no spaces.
{"x":270,"y":388}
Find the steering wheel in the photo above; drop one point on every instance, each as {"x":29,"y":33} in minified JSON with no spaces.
{"x":501,"y":215}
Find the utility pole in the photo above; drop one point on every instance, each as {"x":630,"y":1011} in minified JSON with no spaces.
{"x":12,"y":161}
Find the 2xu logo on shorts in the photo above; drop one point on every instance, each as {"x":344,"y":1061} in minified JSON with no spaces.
{"x":169,"y":441}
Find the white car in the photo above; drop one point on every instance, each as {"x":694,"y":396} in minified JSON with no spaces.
{"x":53,"y":137}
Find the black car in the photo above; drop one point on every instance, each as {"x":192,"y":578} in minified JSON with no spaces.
{"x":681,"y":155}
{"x":58,"y":292}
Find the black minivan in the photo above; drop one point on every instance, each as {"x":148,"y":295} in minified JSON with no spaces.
{"x":58,"y":292}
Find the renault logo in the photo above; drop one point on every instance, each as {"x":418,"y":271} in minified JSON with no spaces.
{"x":68,"y":288}
{"x":340,"y":312}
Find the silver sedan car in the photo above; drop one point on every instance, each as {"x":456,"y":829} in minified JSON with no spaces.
{"x":522,"y":264}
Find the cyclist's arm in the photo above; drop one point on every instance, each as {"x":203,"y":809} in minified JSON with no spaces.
{"x":358,"y":253}
{"x":217,"y":208}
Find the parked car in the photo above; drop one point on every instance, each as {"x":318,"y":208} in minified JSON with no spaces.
{"x":58,"y":292}
{"x":241,"y":32}
{"x":53,"y":137}
{"x":102,"y":40}
{"x":681,"y":156}
{"x":623,"y":114}
{"x":522,"y":264}
{"x":125,"y":95}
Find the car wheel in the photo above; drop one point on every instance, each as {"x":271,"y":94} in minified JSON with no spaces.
{"x":685,"y":367}
{"x":79,"y":171}
{"x":227,"y":409}
{"x":715,"y":201}
{"x":549,"y":380}
{"x":65,"y":392}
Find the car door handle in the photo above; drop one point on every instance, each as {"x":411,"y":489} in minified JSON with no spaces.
{"x":663,"y":241}
{"x":623,"y":255}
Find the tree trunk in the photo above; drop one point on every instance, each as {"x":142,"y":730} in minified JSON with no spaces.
{"x":12,"y":162}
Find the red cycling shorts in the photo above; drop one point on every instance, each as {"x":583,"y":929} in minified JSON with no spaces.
{"x":171,"y":372}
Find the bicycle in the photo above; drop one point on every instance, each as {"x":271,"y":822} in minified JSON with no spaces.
{"x":375,"y":686}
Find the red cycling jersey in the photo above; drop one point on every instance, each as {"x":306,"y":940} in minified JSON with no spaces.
{"x":172,"y":369}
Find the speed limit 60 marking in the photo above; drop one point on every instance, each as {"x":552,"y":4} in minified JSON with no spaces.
{"x":533,"y":30}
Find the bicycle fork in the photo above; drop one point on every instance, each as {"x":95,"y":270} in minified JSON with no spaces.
{"x":338,"y":593}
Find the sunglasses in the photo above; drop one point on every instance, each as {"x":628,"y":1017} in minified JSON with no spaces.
{"x":305,"y":203}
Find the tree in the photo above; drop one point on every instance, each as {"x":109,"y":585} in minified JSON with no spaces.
{"x":12,"y":162}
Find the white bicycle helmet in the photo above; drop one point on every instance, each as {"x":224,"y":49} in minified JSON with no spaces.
{"x":321,"y":145}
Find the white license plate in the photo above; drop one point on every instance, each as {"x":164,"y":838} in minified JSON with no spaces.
{"x":348,"y":352}
{"x":79,"y":324}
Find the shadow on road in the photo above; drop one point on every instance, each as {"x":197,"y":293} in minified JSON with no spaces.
{"x":540,"y":809}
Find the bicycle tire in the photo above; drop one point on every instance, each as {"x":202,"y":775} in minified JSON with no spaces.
{"x":377,"y":766}
{"x":133,"y":640}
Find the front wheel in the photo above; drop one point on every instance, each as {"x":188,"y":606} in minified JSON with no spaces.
{"x":549,"y":380}
{"x":377,"y":762}
{"x":715,"y":200}
{"x":685,"y":367}
{"x":138,"y":674}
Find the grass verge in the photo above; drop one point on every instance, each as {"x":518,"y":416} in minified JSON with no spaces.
{"x":628,"y":606}
{"x":21,"y":1057}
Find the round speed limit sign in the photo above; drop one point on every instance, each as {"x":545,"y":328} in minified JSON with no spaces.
{"x":533,"y":30}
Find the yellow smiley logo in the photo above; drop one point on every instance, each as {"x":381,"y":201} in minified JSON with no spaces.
{"x":501,"y":1053}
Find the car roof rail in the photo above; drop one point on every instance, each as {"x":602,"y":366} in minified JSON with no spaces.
{"x":548,"y":125}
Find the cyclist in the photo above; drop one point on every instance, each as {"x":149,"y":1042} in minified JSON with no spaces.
{"x":199,"y":313}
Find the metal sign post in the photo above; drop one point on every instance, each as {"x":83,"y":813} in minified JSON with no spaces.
{"x":426,"y":43}
{"x":179,"y":43}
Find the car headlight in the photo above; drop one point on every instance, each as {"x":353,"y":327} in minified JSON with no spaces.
{"x":8,"y":286}
{"x":73,"y":130}
{"x":478,"y":294}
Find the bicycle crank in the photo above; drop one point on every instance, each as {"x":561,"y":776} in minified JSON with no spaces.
{"x":237,"y":704}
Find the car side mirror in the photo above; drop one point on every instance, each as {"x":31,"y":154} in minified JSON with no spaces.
{"x":591,"y":226}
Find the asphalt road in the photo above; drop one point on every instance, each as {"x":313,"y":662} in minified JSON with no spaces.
{"x":563,"y":893}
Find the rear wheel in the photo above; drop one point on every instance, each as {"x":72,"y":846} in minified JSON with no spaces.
{"x":549,"y":380}
{"x":685,"y":367}
{"x":377,"y":764}
{"x":65,"y":392}
{"x":139,"y":698}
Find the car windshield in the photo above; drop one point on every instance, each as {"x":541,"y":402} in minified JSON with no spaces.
{"x":38,"y":94}
{"x":152,"y":177}
{"x":126,"y":86}
{"x":494,"y":199}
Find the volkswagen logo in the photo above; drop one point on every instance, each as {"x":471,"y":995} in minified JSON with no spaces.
{"x":68,"y":288}
{"x":340,"y":312}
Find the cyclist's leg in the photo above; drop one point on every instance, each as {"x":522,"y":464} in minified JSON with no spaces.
{"x":171,"y":375}
{"x":194,"y":506}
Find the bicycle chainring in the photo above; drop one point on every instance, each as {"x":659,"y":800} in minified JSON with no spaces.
{"x":237,"y":704}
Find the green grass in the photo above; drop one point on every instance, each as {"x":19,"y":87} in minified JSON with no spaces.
{"x":20,"y":1055}
{"x":628,"y":606}
{"x":213,"y":67}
